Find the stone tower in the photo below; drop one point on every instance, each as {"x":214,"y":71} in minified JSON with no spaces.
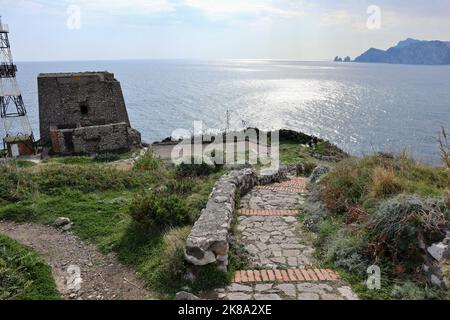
{"x":84,"y":113}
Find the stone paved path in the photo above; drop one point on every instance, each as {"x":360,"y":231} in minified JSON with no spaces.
{"x":276,"y":240}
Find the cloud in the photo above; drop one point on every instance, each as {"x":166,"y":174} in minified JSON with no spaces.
{"x":344,"y":18}
{"x":126,"y":6}
{"x":224,"y":8}
{"x":210,"y":8}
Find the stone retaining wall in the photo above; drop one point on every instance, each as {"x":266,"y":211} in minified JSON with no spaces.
{"x":208,"y":242}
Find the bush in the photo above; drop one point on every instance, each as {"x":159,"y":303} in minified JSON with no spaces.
{"x":166,"y":271}
{"x":305,"y":169}
{"x":150,"y":211}
{"x":181,"y":187}
{"x":384,"y":183}
{"x":348,"y":252}
{"x":192,"y":170}
{"x":148,"y":162}
{"x":107,"y":157}
{"x":412,"y":291}
{"x":15,"y":184}
{"x":402,"y":225}
{"x":346,"y":184}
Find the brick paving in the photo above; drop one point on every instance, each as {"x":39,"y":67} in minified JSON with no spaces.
{"x":294,"y":185}
{"x":290,"y":275}
{"x":268,"y":213}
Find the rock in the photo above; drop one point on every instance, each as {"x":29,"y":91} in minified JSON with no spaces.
{"x":288,"y":289}
{"x":435,"y":281}
{"x":331,"y":296}
{"x":308,"y":296}
{"x":67,"y":227}
{"x":314,"y":288}
{"x":238,"y":296}
{"x":347,"y":293}
{"x":186,"y":296}
{"x":439,"y":251}
{"x":239,"y":288}
{"x":62,"y":221}
{"x":318,"y":173}
{"x":267,"y":297}
{"x":208,"y":257}
{"x":263,"y":287}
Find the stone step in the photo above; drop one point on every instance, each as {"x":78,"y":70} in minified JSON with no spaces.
{"x":283,"y":276}
{"x":268,"y":213}
{"x":282,"y":189}
{"x":293,"y":185}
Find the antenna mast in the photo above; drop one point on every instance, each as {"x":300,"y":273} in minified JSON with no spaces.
{"x":15,"y":129}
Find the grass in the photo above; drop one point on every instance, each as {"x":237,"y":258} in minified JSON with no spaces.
{"x":97,"y":198}
{"x":378,"y":209}
{"x":23,"y":274}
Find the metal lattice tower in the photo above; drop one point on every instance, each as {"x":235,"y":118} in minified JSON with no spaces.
{"x":15,"y":126}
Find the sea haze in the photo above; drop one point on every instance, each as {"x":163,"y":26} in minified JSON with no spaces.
{"x":361,"y":107}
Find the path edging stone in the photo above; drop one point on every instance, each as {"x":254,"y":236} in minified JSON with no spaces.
{"x":208,"y":242}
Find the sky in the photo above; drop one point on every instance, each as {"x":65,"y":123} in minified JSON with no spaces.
{"x":308,"y":30}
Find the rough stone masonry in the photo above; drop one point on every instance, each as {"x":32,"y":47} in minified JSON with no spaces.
{"x":208,"y":242}
{"x":84,"y":113}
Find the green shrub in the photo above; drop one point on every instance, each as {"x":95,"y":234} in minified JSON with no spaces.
{"x":150,"y":211}
{"x":107,"y":157}
{"x":190,"y":169}
{"x":384,"y":183}
{"x":148,"y":162}
{"x":348,"y":252}
{"x":402,"y":225}
{"x":181,"y":187}
{"x":24,"y":275}
{"x":209,"y":277}
{"x":413,"y":291}
{"x":305,"y":169}
{"x":15,"y":184}
{"x":166,"y":269}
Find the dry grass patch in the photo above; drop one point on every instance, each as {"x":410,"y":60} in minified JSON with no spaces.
{"x":384,"y":183}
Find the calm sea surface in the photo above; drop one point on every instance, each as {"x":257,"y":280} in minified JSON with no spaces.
{"x":360,"y":107}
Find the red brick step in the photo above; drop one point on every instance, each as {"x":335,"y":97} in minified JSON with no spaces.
{"x":291,"y":275}
{"x":268,"y":213}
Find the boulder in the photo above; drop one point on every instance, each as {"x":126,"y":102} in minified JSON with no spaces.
{"x":61,"y":222}
{"x":186,"y":296}
{"x":439,"y":251}
{"x":318,"y":173}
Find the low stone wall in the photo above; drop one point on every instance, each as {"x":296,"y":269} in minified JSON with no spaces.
{"x":208,"y":242}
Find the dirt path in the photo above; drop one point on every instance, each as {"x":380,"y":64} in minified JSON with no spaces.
{"x":102,"y":277}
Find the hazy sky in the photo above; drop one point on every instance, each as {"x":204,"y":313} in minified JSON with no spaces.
{"x":215,"y":29}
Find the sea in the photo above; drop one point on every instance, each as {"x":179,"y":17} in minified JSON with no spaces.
{"x":362,"y":108}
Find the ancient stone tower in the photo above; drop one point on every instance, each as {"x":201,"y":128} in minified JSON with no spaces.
{"x":84,"y":113}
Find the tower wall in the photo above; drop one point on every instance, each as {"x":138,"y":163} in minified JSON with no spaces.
{"x":69,"y":101}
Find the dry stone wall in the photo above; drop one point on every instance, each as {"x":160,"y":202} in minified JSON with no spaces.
{"x":208,"y":242}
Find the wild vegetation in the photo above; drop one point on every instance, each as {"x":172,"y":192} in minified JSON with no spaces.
{"x":23,"y":274}
{"x":381,"y":210}
{"x":143,"y":212}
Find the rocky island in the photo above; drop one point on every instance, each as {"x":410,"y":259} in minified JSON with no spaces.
{"x":410,"y":51}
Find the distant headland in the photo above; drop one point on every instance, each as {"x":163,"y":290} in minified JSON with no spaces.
{"x":410,"y":51}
